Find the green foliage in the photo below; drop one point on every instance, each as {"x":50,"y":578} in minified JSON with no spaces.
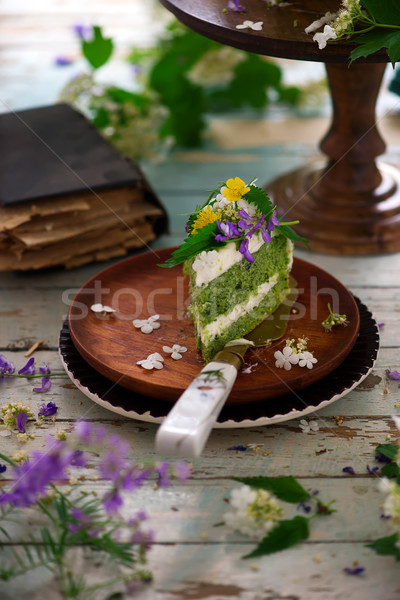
{"x":286,"y":534}
{"x":292,"y":235}
{"x":284,"y":488}
{"x":204,"y":239}
{"x":384,"y":11}
{"x":371,"y":42}
{"x":389,"y":450}
{"x":98,"y":50}
{"x":258,"y":197}
{"x":386,"y":546}
{"x":391,"y":471}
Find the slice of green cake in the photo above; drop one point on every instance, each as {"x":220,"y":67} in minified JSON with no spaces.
{"x":238,"y":256}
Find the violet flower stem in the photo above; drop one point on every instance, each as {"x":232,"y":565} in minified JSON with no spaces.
{"x":35,"y":376}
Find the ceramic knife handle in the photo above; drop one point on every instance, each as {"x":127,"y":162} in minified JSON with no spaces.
{"x":186,"y":428}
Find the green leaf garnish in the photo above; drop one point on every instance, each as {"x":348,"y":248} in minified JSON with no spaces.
{"x":371,"y":42}
{"x":259,"y":198}
{"x":386,"y":546}
{"x":284,"y":488}
{"x":98,"y":50}
{"x":204,"y":239}
{"x":286,"y":534}
{"x":384,"y":11}
{"x":389,"y":450}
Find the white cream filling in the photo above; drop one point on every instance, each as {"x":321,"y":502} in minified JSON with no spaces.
{"x":211,"y":264}
{"x":222,"y":322}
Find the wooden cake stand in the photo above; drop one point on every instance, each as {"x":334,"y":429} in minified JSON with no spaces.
{"x":347,"y":204}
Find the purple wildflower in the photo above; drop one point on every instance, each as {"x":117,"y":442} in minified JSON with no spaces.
{"x":244,"y":249}
{"x":235,"y":5}
{"x":48,"y":410}
{"x":63,"y":61}
{"x":28,"y":369}
{"x":349,"y":470}
{"x":273,"y":222}
{"x":304,"y":506}
{"x":82,"y":31}
{"x":33,"y":477}
{"x":83,"y":432}
{"x":265,"y":235}
{"x":6,"y":366}
{"x":46,"y":385}
{"x":229,"y":231}
{"x":187,"y":227}
{"x":354,"y":570}
{"x":21,"y":420}
{"x":373,"y":470}
{"x":45,"y":370}
{"x":112,"y":501}
{"x":162,"y":471}
{"x":3,"y":468}
{"x":245,"y":215}
{"x":182,"y":470}
{"x":380,"y":325}
{"x":256,"y":226}
{"x":238,"y":448}
{"x":393,"y":375}
{"x":144,"y":538}
{"x":382,"y":458}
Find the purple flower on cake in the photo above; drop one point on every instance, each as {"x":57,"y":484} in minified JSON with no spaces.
{"x":229,"y":231}
{"x":273,"y":222}
{"x":244,"y":249}
{"x":265,"y":235}
{"x":256,"y":227}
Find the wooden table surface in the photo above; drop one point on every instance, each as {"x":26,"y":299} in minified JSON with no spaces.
{"x":191,"y":559}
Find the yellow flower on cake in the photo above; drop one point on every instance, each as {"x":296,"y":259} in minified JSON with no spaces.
{"x":206,"y":216}
{"x":235,"y":189}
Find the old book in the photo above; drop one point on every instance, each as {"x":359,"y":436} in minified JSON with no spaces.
{"x":66,"y":195}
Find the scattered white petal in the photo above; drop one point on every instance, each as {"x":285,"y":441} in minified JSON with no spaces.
{"x":286,"y":358}
{"x":396,"y":420}
{"x":306,"y":359}
{"x":99,"y":308}
{"x":5,"y":433}
{"x":147,"y":325}
{"x":176,"y":356}
{"x":308,"y":427}
{"x":250,"y":25}
{"x":249,"y":369}
{"x":153,"y":361}
{"x":323,"y":37}
{"x":319,"y":22}
{"x":176,"y":351}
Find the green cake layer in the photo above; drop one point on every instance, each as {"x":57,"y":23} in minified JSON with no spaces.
{"x":217,"y":306}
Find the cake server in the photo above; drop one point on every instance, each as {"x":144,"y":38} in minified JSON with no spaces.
{"x":187,"y":426}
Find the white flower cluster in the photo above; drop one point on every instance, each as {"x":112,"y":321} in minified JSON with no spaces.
{"x":11,"y":410}
{"x":336,"y":25}
{"x":156,"y":361}
{"x":391,"y":505}
{"x":147,"y":325}
{"x":308,"y":427}
{"x":102,"y":309}
{"x":256,"y":512}
{"x":294,"y":355}
{"x":251,"y":25}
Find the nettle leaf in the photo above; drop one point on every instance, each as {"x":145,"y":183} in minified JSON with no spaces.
{"x":98,"y":50}
{"x":204,"y":239}
{"x":384,"y":11}
{"x":371,"y":42}
{"x":386,"y":546}
{"x":285,"y":535}
{"x":389,"y":450}
{"x":292,"y":235}
{"x":284,"y":488}
{"x":391,"y":470}
{"x":260,"y":198}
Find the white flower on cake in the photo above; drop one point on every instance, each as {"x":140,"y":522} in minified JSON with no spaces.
{"x":286,"y":358}
{"x":256,"y":512}
{"x":147,"y":325}
{"x":153,"y":361}
{"x":250,"y":25}
{"x":103,"y":310}
{"x":306,"y":359}
{"x":176,"y":351}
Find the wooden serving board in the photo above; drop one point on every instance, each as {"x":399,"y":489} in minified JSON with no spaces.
{"x":138,"y":288}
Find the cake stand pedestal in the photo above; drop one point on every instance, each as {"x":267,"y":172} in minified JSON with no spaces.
{"x":347,"y":204}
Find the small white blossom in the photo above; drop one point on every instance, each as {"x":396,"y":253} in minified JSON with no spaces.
{"x":323,"y":37}
{"x":176,"y":351}
{"x":153,"y":361}
{"x":308,"y":427}
{"x":250,"y":25}
{"x":103,"y":310}
{"x":396,"y":420}
{"x":391,"y":505}
{"x":286,"y":358}
{"x":306,"y":359}
{"x":256,"y":512}
{"x":320,"y":22}
{"x":147,"y":325}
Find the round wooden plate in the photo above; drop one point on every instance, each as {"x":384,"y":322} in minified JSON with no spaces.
{"x":137,"y":288}
{"x":354,"y":369}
